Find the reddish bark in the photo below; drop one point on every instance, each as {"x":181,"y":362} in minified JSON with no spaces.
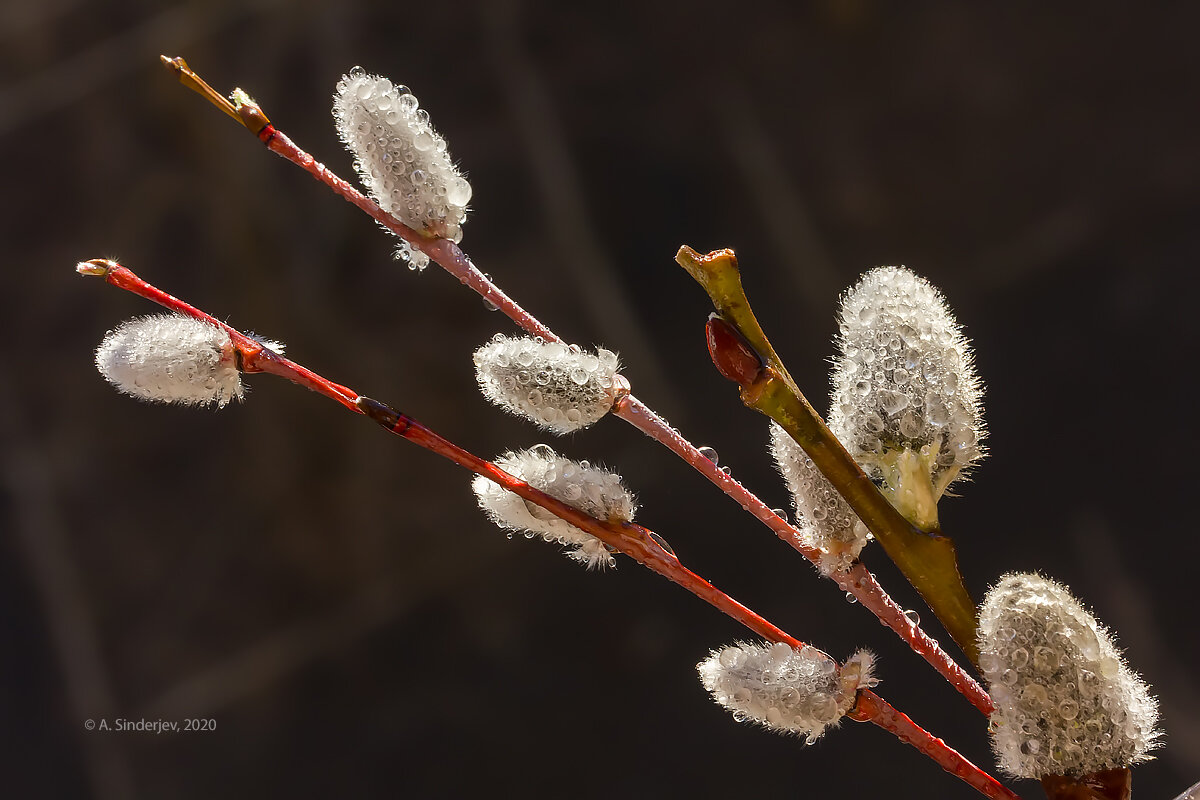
{"x":1111,"y":784}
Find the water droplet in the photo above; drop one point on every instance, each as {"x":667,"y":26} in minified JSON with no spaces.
{"x":543,"y":451}
{"x":850,"y":598}
{"x":459,"y":193}
{"x":1035,"y":694}
{"x":661,"y":542}
{"x":935,"y":409}
{"x":779,"y":512}
{"x":486,"y":303}
{"x":725,"y":470}
{"x":892,"y":402}
{"x":1109,"y":667}
{"x":708,"y":452}
{"x":913,"y":616}
{"x":910,"y":425}
{"x":730,"y":657}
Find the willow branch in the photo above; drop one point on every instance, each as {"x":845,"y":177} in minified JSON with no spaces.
{"x":858,"y":582}
{"x":635,"y":541}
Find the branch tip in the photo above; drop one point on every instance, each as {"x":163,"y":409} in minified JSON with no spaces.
{"x":244,"y":111}
{"x":96,"y":266}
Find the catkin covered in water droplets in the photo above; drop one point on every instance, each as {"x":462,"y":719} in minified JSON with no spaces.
{"x":1066,"y":702}
{"x":402,"y":161}
{"x":594,"y":491}
{"x":823,"y":517}
{"x":559,"y":387}
{"x":170,"y":358}
{"x":904,"y":379}
{"x":792,"y":691}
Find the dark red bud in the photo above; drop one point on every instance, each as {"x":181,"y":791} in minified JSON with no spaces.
{"x":732,"y":355}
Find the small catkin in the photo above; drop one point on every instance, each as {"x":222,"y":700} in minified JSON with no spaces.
{"x":791,"y":691}
{"x":906,"y":401}
{"x":594,"y":491}
{"x":401,"y":160}
{"x":170,"y":358}
{"x":1066,"y":702}
{"x":558,"y":387}
{"x":823,"y":517}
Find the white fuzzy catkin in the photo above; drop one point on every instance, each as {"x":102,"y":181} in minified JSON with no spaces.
{"x":1066,"y":702}
{"x":170,"y":358}
{"x":401,"y":159}
{"x":906,"y":399}
{"x":594,"y":491}
{"x":823,"y":517}
{"x":793,"y":691}
{"x":558,"y":387}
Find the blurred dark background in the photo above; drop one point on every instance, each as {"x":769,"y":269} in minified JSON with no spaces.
{"x":331,"y":596}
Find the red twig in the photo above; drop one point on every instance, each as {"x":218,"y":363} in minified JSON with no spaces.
{"x":873,"y":708}
{"x":634,"y":540}
{"x":631,"y":539}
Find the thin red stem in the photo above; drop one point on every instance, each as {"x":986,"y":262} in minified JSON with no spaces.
{"x":633,"y":540}
{"x":254,"y":356}
{"x":451,"y":258}
{"x":873,"y":708}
